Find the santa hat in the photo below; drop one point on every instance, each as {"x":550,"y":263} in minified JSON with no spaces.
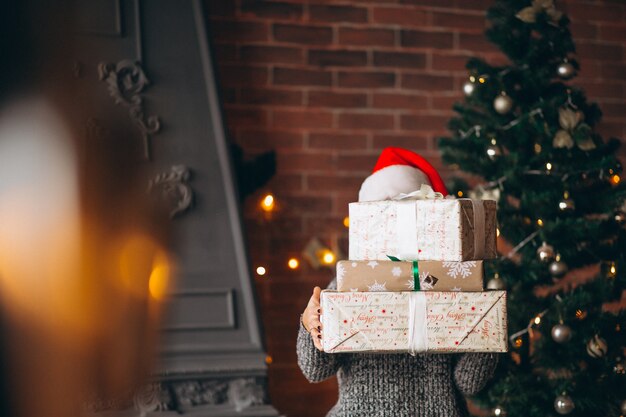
{"x":399,"y":171}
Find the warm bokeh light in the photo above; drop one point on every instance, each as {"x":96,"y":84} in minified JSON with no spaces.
{"x":327,"y":257}
{"x":159,"y":281}
{"x":539,"y":222}
{"x":548,"y":166}
{"x":269,"y":360}
{"x":268,"y":203}
{"x":459,"y":193}
{"x":615,"y":179}
{"x":293,"y":263}
{"x":346,"y":221}
{"x":518,"y":342}
{"x":537,"y":320}
{"x":261,"y":271}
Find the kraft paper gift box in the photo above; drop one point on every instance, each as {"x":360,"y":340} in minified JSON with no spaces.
{"x":418,"y":321}
{"x":435,"y":229}
{"x":371,"y":276}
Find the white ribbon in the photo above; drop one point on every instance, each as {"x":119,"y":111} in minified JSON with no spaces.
{"x":418,"y":331}
{"x":426,"y":192}
{"x":479,"y":229}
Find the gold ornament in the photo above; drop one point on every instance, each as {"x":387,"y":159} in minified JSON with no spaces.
{"x":558,"y":268}
{"x":569,"y":119}
{"x":597,"y":347}
{"x":529,"y":14}
{"x":586,"y":144}
{"x":563,"y":404}
{"x":545,"y":252}
{"x":561,"y":333}
{"x":503,"y":103}
{"x":563,"y":139}
{"x":496,"y":283}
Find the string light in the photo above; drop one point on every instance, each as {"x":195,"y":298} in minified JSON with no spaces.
{"x":481,"y":80}
{"x":540,"y":222}
{"x":346,"y":221}
{"x":269,"y":360}
{"x":537,"y":148}
{"x":268,"y":203}
{"x":498,"y":411}
{"x":293,"y":263}
{"x":472,"y":78}
{"x":497,"y":232}
{"x":612,"y":270}
{"x":327,"y":257}
{"x":615,"y":179}
{"x":260,"y":271}
{"x":518,"y":342}
{"x":537,"y":320}
{"x":549,"y":166}
{"x":580,"y":314}
{"x":459,"y":193}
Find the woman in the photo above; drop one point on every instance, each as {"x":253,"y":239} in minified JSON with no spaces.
{"x":398,"y":385}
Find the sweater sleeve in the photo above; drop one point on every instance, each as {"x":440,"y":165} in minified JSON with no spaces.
{"x":473,"y":370}
{"x":316,"y":365}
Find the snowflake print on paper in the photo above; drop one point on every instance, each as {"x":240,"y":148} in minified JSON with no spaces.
{"x":410,"y":283}
{"x":341,"y":271}
{"x":455,"y":289}
{"x":354,"y":264}
{"x":377,"y":287}
{"x":459,"y":269}
{"x":372,"y":264}
{"x":396,"y":271}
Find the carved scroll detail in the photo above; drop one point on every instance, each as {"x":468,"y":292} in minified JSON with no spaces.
{"x":173,"y":188}
{"x":126,"y":80}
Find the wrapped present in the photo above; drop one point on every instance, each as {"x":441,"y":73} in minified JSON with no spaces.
{"x":370,"y":276}
{"x":419,"y":321}
{"x":423,"y":229}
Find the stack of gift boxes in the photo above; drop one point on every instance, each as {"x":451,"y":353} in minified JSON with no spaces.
{"x":414,"y":281}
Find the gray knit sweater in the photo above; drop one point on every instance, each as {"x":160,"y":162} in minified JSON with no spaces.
{"x":397,"y":385}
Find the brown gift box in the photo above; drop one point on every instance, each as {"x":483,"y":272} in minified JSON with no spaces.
{"x":367,"y":276}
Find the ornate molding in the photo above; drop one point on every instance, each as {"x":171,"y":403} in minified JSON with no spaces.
{"x":173,"y":188}
{"x":126,"y":80}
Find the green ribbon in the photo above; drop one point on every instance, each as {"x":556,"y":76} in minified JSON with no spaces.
{"x":416,"y":273}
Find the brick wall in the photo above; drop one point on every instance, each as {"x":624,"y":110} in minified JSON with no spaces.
{"x":328,"y":84}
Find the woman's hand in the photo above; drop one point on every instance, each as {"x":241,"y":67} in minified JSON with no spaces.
{"x":311,"y":318}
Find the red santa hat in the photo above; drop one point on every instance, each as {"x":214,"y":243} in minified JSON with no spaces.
{"x":399,"y":171}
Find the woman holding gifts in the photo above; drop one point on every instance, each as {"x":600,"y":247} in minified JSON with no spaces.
{"x":398,"y":384}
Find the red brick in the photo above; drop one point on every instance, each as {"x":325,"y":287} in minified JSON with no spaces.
{"x":422,"y":39}
{"x":302,"y":119}
{"x":480,"y":5}
{"x":476,"y":43}
{"x":459,"y":21}
{"x":446,"y":102}
{"x":333,"y":182}
{"x":356,"y":163}
{"x":401,"y":16}
{"x":613,"y":110}
{"x":612,"y":32}
{"x":454,"y":63}
{"x":310,"y":35}
{"x":290,"y":76}
{"x":596,"y":50}
{"x":367,"y":79}
{"x":610,"y":130}
{"x":225,"y":52}
{"x":436,"y":3}
{"x":221,"y":8}
{"x":424,"y":122}
{"x":270,"y":9}
{"x":270,"y":96}
{"x":233,"y":75}
{"x":301,"y":162}
{"x":400,"y":59}
{"x":600,"y":12}
{"x":595,"y":90}
{"x":428,"y":82}
{"x":239,"y":117}
{"x":327,"y":13}
{"x":582,"y":30}
{"x":590,"y":68}
{"x":366,"y":121}
{"x":330,"y":99}
{"x":228,"y":95}
{"x":341,"y":58}
{"x":287,"y":182}
{"x":230,"y":30}
{"x":271,"y":54}
{"x":268,"y":139}
{"x":367,"y":37}
{"x":400,"y":101}
{"x":612,"y":71}
{"x":334,"y":141}
{"x":414,"y":142}
{"x":310,"y":204}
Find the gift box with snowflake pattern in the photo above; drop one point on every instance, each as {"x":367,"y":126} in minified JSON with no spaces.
{"x":440,"y":230}
{"x":417,"y":321}
{"x":369,"y":276}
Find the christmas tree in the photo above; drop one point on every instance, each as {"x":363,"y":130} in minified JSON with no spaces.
{"x":528,"y":133}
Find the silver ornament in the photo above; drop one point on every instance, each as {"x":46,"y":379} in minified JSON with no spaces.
{"x":545,"y":252}
{"x":597,"y":347}
{"x":503,"y":103}
{"x":468,"y":88}
{"x":620,"y":218}
{"x":561,"y":333}
{"x":566,"y":70}
{"x":496,"y":283}
{"x":563,"y":404}
{"x":557,"y":268}
{"x":622,"y":407}
{"x":567,"y":204}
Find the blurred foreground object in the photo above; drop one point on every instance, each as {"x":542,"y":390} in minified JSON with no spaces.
{"x":81,"y":284}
